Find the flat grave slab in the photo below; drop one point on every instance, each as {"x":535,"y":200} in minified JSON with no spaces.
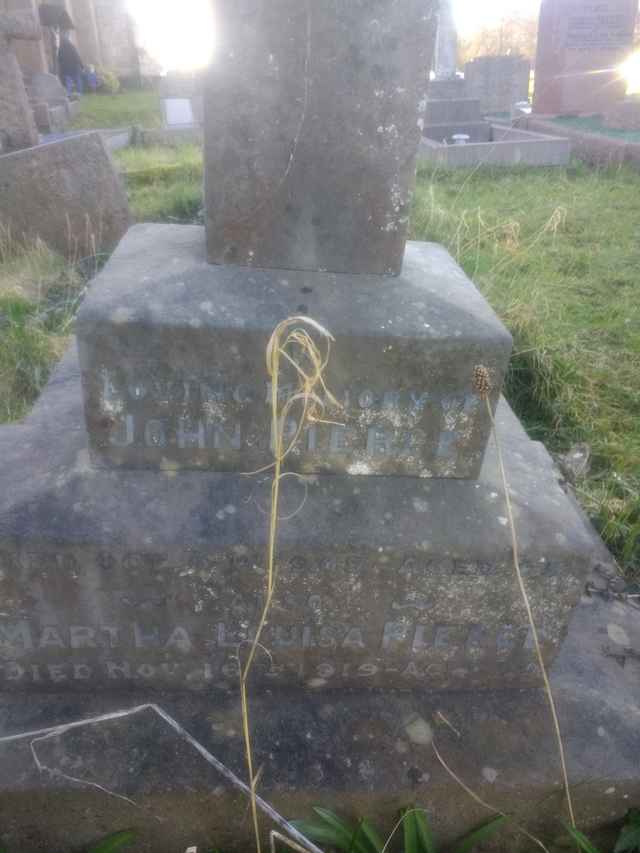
{"x":357,"y":754}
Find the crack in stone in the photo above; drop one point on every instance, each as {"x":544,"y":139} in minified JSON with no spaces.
{"x":39,"y":735}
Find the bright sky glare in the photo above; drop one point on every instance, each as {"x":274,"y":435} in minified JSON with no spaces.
{"x":179,"y":36}
{"x":471,"y":15}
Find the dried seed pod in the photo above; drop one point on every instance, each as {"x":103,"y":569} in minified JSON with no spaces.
{"x":481,"y":381}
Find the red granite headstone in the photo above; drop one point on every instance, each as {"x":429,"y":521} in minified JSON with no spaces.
{"x":581,"y":44}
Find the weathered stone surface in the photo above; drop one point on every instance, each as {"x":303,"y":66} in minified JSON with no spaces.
{"x":47,"y":88}
{"x":17,"y":127}
{"x":122,"y":578}
{"x":31,"y":53}
{"x":358,"y":755}
{"x":452,"y":110}
{"x":446,"y":48}
{"x":172,"y":351}
{"x":580,"y":48}
{"x":498,"y":82}
{"x":312,"y":130}
{"x":625,"y":115}
{"x":477,"y":131}
{"x":447,"y":88}
{"x":68,"y":193}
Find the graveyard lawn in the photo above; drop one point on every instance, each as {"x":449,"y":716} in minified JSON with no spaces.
{"x":39,"y":295}
{"x":556,"y":252}
{"x":164,"y":183}
{"x":125,"y":109}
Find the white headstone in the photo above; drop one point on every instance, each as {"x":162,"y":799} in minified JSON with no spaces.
{"x":178,"y":112}
{"x":446,"y":53}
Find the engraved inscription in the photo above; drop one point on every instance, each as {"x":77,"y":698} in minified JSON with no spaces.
{"x":594,"y":26}
{"x":195,"y":414}
{"x":181,"y":617}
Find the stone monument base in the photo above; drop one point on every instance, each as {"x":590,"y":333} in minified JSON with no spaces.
{"x":357,"y":753}
{"x":172,"y":351}
{"x":115,"y":579}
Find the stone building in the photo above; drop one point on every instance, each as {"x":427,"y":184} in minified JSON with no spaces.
{"x":103,"y":33}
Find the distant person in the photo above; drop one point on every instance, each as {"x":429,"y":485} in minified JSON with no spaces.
{"x":70,"y":65}
{"x":91,"y":77}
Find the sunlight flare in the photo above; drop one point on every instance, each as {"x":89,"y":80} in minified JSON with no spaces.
{"x":178,"y":37}
{"x":631,"y":72}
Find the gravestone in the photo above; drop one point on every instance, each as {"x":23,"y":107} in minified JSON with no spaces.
{"x":446,"y":50}
{"x":125,"y":570}
{"x":182,"y":99}
{"x":17,"y":126}
{"x":67,"y":193}
{"x":498,"y":82}
{"x":580,"y":48}
{"x":171,"y":349}
{"x":624,"y":115}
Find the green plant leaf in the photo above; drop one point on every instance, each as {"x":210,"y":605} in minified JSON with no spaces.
{"x":372,"y":835}
{"x":114,"y":842}
{"x":629,"y":838}
{"x":467,"y":844}
{"x":323,"y":833}
{"x":425,"y":835}
{"x":352,"y":839}
{"x":410,"y":830}
{"x":344,"y":829}
{"x":581,"y":840}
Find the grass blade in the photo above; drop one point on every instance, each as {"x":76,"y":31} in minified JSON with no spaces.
{"x":371,"y":834}
{"x":340,"y":826}
{"x":467,"y":844}
{"x":410,"y":831}
{"x":581,"y":840}
{"x":323,"y":834}
{"x":425,"y":835}
{"x":114,"y":842}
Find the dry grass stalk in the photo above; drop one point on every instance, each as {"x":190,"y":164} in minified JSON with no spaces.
{"x":291,"y":342}
{"x":482,"y":384}
{"x":478,"y":799}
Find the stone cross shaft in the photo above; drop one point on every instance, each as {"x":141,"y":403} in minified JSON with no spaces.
{"x":313,"y":120}
{"x":17,"y":126}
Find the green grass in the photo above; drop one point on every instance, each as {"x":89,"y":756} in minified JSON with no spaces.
{"x":39,"y":294}
{"x":164,"y":184}
{"x":557,"y":252}
{"x":125,"y":109}
{"x":595,"y":124}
